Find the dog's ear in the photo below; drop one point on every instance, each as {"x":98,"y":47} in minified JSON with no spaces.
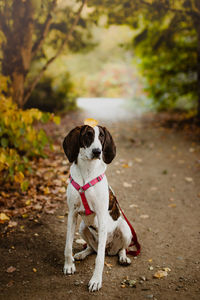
{"x":109,"y":148}
{"x":71,"y":144}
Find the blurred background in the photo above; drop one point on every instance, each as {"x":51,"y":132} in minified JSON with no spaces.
{"x":114,"y":59}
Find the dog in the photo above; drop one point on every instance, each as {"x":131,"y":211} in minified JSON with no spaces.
{"x":90,"y":150}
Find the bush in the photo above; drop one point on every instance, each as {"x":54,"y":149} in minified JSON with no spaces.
{"x":53,"y":97}
{"x":19,"y":140}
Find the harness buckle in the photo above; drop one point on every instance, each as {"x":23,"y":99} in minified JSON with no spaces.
{"x":81,"y":190}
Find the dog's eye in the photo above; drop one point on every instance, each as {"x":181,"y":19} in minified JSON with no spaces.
{"x":101,"y":134}
{"x":89,"y":134}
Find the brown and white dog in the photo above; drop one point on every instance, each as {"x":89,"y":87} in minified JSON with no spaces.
{"x":105,"y":231}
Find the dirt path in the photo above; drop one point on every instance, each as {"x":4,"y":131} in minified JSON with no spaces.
{"x":156,"y":178}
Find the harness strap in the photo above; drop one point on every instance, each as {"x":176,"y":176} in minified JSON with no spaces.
{"x":82,"y":189}
{"x":134,"y":241}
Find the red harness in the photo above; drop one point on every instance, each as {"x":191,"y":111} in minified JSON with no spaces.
{"x":88,"y":211}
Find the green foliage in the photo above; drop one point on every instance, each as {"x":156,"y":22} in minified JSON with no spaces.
{"x":167,"y":52}
{"x":53,"y":96}
{"x":19,"y":139}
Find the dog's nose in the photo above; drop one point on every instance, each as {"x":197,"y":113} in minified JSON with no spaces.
{"x":96,"y":152}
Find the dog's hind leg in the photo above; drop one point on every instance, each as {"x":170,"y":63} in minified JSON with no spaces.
{"x":83,"y":254}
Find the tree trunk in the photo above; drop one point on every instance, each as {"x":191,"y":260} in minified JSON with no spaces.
{"x":197,"y":27}
{"x":17,"y":50}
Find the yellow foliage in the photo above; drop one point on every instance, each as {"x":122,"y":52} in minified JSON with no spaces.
{"x":19,"y":140}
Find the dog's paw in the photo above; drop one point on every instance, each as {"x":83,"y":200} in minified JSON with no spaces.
{"x":95,"y":284}
{"x":125,"y":261}
{"x":69,"y":269}
{"x":80,"y":256}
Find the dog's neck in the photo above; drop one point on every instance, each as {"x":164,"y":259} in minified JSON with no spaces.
{"x":85,"y":170}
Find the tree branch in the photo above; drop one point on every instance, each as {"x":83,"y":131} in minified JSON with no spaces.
{"x":38,"y":44}
{"x":68,"y":36}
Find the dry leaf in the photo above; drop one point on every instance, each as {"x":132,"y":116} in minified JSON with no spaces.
{"x":108,"y":265}
{"x":144,"y":216}
{"x":3,"y":218}
{"x":167,"y":269}
{"x":138,"y":160}
{"x":91,"y":122}
{"x":62,"y":190}
{"x":189,"y":179}
{"x":160,"y":274}
{"x":133,"y":205}
{"x":127,"y":185}
{"x":11,"y":269}
{"x":28,"y":202}
{"x":34,"y":270}
{"x":173,"y":205}
{"x":12,"y":224}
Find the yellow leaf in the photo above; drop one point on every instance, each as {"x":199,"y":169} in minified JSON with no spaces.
{"x":91,"y":122}
{"x":34,"y":270}
{"x":56,"y":120}
{"x":19,"y":177}
{"x":28,"y":202}
{"x":160,"y":274}
{"x":3,"y":218}
{"x":46,"y":190}
{"x":24,"y":216}
{"x":173,"y":205}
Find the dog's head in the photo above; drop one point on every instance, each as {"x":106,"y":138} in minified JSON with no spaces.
{"x":90,"y":143}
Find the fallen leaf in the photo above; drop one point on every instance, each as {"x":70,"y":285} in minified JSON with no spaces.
{"x":150,"y":260}
{"x":91,"y":122}
{"x":34,"y":270}
{"x":11,"y":269}
{"x":167,"y":269}
{"x":127,"y":185}
{"x":189,"y":179}
{"x":28,"y":202}
{"x":46,"y":190}
{"x":60,"y":217}
{"x":125,"y":166}
{"x":144,"y":216}
{"x":160,"y":274}
{"x":12,"y":224}
{"x":24,"y":216}
{"x":62,"y":190}
{"x":173,"y":205}
{"x":108,"y":265}
{"x":10,"y":283}
{"x":138,"y":160}
{"x":3,"y":218}
{"x":151,"y":268}
{"x":19,"y":177}
{"x":133,"y":205}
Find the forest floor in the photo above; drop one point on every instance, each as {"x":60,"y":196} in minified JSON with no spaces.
{"x":156,"y":177}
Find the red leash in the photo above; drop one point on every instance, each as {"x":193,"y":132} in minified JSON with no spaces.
{"x":134,"y":241}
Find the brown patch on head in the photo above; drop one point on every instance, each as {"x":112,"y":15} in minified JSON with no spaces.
{"x":86,"y":136}
{"x":113,"y":207}
{"x":80,"y":136}
{"x":108,"y":145}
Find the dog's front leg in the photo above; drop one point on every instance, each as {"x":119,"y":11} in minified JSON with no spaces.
{"x":96,"y":280}
{"x":69,"y":266}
